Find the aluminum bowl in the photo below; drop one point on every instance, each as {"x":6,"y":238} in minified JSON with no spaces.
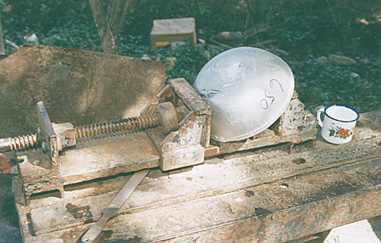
{"x":248,"y":89}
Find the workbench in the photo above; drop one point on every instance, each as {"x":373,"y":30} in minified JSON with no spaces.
{"x":260,"y":195}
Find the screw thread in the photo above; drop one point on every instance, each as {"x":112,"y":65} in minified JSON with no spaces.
{"x":89,"y":130}
{"x":133,"y":123}
{"x":23,"y":142}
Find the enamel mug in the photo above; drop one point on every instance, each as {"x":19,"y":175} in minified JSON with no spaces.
{"x":338,"y":124}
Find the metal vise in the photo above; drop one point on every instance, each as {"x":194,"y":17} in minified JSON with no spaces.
{"x":173,"y":132}
{"x":170,"y":133}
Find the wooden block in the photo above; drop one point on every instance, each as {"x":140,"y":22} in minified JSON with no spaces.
{"x":167,"y":31}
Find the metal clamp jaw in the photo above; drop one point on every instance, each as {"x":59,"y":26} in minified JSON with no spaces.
{"x":42,"y":173}
{"x":55,"y":137}
{"x":185,"y":145}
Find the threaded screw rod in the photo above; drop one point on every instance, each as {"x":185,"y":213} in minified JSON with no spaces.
{"x":133,"y":123}
{"x":83,"y":131}
{"x":26,"y":141}
{"x":18,"y":143}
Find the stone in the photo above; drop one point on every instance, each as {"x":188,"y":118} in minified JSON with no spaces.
{"x":341,"y":60}
{"x":322,"y":59}
{"x":355,"y":75}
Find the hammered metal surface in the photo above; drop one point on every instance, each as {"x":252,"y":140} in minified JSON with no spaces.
{"x":247,"y":88}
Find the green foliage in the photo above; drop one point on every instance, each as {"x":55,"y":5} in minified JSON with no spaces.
{"x":328,"y":83}
{"x":2,"y":4}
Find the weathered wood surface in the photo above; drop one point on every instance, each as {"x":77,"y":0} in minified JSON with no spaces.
{"x":266,"y":195}
{"x":76,"y":86}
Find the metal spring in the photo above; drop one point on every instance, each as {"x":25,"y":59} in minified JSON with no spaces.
{"x":134,"y":123}
{"x":24,"y":142}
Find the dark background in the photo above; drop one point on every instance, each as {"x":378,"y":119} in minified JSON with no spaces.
{"x":305,"y":33}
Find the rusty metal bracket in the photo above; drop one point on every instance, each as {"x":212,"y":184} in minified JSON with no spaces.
{"x":49,"y":144}
{"x":184,"y":146}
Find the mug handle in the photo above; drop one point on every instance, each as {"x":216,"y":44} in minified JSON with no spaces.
{"x":318,"y":116}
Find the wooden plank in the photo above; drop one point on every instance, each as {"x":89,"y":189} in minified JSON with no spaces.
{"x":277,"y":211}
{"x":277,"y":214}
{"x":253,"y":195}
{"x":216,"y":177}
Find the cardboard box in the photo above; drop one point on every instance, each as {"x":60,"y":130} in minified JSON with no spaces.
{"x":170,"y":33}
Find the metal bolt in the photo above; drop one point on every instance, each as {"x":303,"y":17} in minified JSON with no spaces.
{"x":63,"y":140}
{"x":36,"y":162}
{"x":44,"y":147}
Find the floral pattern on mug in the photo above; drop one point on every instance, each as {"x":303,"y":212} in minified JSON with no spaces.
{"x":339,"y":132}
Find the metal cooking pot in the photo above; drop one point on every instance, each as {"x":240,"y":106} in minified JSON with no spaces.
{"x":248,"y":89}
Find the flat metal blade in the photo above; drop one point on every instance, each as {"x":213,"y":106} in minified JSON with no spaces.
{"x":114,"y":206}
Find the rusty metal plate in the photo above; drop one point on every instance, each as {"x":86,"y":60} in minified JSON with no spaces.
{"x":108,"y":156}
{"x":75,"y":85}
